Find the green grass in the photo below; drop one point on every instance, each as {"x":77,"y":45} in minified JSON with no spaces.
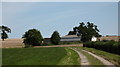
{"x":72,"y":58}
{"x":39,"y":56}
{"x":33,"y":56}
{"x":93,"y":61}
{"x":114,"y":58}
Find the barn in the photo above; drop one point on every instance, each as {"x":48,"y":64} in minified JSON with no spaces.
{"x":70,"y":38}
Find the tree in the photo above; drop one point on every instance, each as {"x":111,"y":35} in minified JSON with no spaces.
{"x":86,"y":32}
{"x":4,"y":30}
{"x":55,"y":38}
{"x":32,"y":37}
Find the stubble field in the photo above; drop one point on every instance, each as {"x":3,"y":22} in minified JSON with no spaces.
{"x":11,"y":43}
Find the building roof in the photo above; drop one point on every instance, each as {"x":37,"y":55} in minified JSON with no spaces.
{"x":69,"y":36}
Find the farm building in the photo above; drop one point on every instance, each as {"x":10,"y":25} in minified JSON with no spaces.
{"x":47,"y":40}
{"x":73,"y":38}
{"x":94,"y":38}
{"x":70,"y":38}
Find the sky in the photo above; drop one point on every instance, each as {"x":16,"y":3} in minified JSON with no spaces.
{"x":59,"y":0}
{"x":61,"y":16}
{"x":118,"y":19}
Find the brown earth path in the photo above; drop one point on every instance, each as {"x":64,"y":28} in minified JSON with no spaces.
{"x":83,"y":59}
{"x":104,"y":61}
{"x":71,"y":45}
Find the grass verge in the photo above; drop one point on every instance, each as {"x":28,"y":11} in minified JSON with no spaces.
{"x":71,"y":58}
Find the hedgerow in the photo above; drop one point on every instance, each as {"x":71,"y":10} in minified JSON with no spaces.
{"x":109,"y":46}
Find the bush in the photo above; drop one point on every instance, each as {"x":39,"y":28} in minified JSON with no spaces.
{"x":109,"y":46}
{"x":32,"y":37}
{"x":27,"y":46}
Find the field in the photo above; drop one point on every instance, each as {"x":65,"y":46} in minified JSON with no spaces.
{"x":53,"y":56}
{"x":39,"y":56}
{"x":11,"y":43}
{"x":14,"y":54}
{"x":18,"y":43}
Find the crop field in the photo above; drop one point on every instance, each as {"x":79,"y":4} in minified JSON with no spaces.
{"x":14,"y":54}
{"x":18,"y":43}
{"x":39,"y":56}
{"x":11,"y":43}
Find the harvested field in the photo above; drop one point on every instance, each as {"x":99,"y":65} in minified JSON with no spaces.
{"x":11,"y":43}
{"x":18,"y":43}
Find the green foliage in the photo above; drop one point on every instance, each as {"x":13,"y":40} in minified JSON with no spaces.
{"x":109,"y":46}
{"x":32,"y":56}
{"x":32,"y":37}
{"x":55,"y":38}
{"x":4,"y":35}
{"x":85,"y":31}
{"x":71,"y":58}
{"x":4,"y":30}
{"x":71,"y":33}
{"x":27,"y":46}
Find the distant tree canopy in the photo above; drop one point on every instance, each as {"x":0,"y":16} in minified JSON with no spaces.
{"x":86,"y":32}
{"x":55,"y":38}
{"x":32,"y":37}
{"x":4,"y":30}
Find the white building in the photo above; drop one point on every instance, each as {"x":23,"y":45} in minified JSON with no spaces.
{"x":94,"y":38}
{"x":70,"y":38}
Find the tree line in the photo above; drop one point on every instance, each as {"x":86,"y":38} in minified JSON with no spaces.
{"x":33,"y":37}
{"x":85,"y":31}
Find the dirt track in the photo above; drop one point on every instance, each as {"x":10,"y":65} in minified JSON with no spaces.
{"x":71,"y":45}
{"x":104,"y":61}
{"x":83,"y":58}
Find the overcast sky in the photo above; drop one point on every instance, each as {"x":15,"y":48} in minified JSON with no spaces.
{"x":61,"y":16}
